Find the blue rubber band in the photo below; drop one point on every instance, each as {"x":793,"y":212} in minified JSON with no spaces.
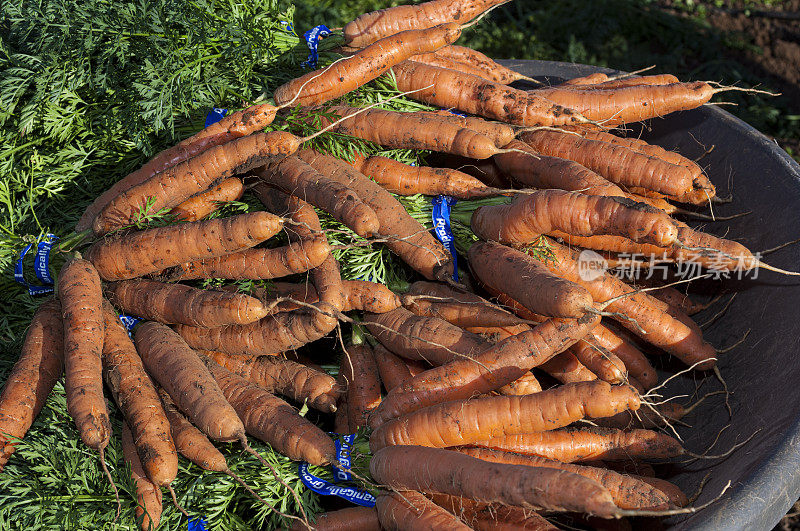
{"x":326,"y":488}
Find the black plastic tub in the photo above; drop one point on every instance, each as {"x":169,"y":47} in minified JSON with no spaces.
{"x":763,"y":373}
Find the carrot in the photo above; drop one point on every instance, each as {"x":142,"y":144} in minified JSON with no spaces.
{"x":590,"y":79}
{"x":81,"y":305}
{"x":148,"y":494}
{"x":361,"y":518}
{"x":134,"y":393}
{"x":661,"y":329}
{"x":600,"y":361}
{"x":407,"y":237}
{"x":359,"y":295}
{"x":177,"y":303}
{"x":446,"y":88}
{"x":543,"y":211}
{"x":235,"y":125}
{"x":402,"y":179}
{"x":566,"y":368}
{"x":460,"y":422}
{"x":483,"y":65}
{"x":282,"y":376}
{"x":370,"y":62}
{"x":442,"y":471}
{"x":363,"y":385}
{"x":176,"y":367}
{"x":151,"y":250}
{"x":675,"y":494}
{"x":645,"y":418}
{"x":391,"y":368}
{"x":369,"y":27}
{"x":201,"y":205}
{"x":584,"y":444}
{"x":491,"y":516}
{"x":526,"y":384}
{"x":630,"y":104}
{"x":540,"y":171}
{"x":272,"y":420}
{"x":634,"y":361}
{"x":32,"y":378}
{"x":527,"y":280}
{"x":610,"y":84}
{"x":294,"y":176}
{"x":499,"y":132}
{"x":423,"y":338}
{"x":484,"y":170}
{"x":308,"y":249}
{"x":625,"y":166}
{"x":628,"y":493}
{"x":410,"y":510}
{"x":442,"y":61}
{"x":499,"y":365}
{"x":412,"y":130}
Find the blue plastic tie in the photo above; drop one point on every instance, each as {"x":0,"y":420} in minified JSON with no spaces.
{"x":326,"y":488}
{"x":312,"y":37}
{"x":441,"y":226}
{"x":215,"y":115}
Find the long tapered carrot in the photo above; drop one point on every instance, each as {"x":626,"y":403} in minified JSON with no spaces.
{"x":499,"y":365}
{"x":461,"y":422}
{"x":409,"y":509}
{"x":391,"y":368}
{"x":406,"y":236}
{"x":294,"y":176}
{"x":81,"y":305}
{"x":628,"y":493}
{"x":201,"y":205}
{"x":634,"y":360}
{"x":566,"y":368}
{"x":364,"y":384}
{"x":235,"y":125}
{"x":585,"y":444}
{"x":625,"y":166}
{"x":33,"y":376}
{"x":362,"y":518}
{"x":402,"y":179}
{"x":178,"y":303}
{"x":607,"y":366}
{"x":151,"y":250}
{"x":136,"y":396}
{"x":442,"y":471}
{"x":412,"y":130}
{"x":423,"y":338}
{"x":526,"y":384}
{"x":527,"y":280}
{"x":349,"y":73}
{"x":369,"y":27}
{"x":360,"y":295}
{"x":176,"y":367}
{"x":483,"y":64}
{"x":282,"y":376}
{"x":273,"y":421}
{"x":501,"y":133}
{"x":543,"y":211}
{"x":492,"y":516}
{"x":673,"y":333}
{"x":473,"y":94}
{"x":148,"y":494}
{"x":535,"y":170}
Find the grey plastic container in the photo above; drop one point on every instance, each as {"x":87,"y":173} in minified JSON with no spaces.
{"x":763,"y":373}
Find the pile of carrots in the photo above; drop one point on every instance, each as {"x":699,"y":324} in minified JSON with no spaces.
{"x":463,"y":435}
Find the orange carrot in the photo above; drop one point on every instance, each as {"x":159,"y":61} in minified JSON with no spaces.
{"x":584,"y":444}
{"x":149,"y":251}
{"x":403,"y":179}
{"x":32,"y":378}
{"x":407,"y":237}
{"x":540,"y":171}
{"x":423,"y":338}
{"x":399,"y":511}
{"x":492,"y":516}
{"x":361,"y":518}
{"x":294,"y":176}
{"x":134,"y":393}
{"x":590,"y":79}
{"x":499,"y":365}
{"x":273,"y":421}
{"x":603,"y":363}
{"x":566,"y":368}
{"x":526,"y":279}
{"x":359,"y":295}
{"x":377,"y":58}
{"x":148,"y":494}
{"x":435,"y":470}
{"x":369,"y":27}
{"x":526,"y":384}
{"x":628,"y":493}
{"x":363,"y":385}
{"x":543,"y":211}
{"x":483,"y":65}
{"x":634,"y":361}
{"x":201,"y":205}
{"x":177,"y":303}
{"x":391,"y":368}
{"x":282,"y":376}
{"x":235,"y":125}
{"x":473,"y":94}
{"x":460,"y":422}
